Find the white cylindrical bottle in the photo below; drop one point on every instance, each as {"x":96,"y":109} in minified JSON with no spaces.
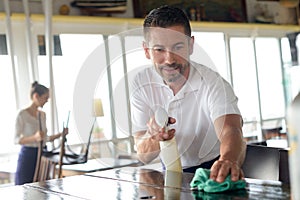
{"x":294,"y":153}
{"x":170,"y":156}
{"x":168,"y":149}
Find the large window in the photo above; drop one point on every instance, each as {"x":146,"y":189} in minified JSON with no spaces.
{"x":213,"y":44}
{"x":76,"y":48}
{"x":258,"y":81}
{"x":258,"y":67}
{"x":7,"y":105}
{"x":270,"y":79}
{"x":244,"y":81}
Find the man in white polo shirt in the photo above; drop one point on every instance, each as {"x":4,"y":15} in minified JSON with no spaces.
{"x":201,"y":105}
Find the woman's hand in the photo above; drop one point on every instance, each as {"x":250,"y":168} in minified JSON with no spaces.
{"x":65,"y":131}
{"x":39,"y":136}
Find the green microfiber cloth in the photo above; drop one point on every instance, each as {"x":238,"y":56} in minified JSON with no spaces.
{"x":202,"y":182}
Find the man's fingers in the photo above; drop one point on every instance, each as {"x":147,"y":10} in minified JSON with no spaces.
{"x":235,"y":172}
{"x":222,"y":168}
{"x":171,"y":120}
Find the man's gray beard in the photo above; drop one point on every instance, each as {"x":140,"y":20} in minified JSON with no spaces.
{"x":175,"y":78}
{"x":179,"y":75}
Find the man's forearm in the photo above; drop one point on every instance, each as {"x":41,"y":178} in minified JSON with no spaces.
{"x":229,"y":130}
{"x":233,"y":147}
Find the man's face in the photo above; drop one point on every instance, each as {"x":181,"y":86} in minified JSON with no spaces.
{"x":169,"y":49}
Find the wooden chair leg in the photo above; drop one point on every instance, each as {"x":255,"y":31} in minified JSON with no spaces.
{"x":42,"y":169}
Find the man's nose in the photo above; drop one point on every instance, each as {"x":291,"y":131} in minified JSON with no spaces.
{"x":169,"y":57}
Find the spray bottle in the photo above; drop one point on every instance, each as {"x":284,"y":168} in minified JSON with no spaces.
{"x":169,"y":151}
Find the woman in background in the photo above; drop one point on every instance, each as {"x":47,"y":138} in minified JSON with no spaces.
{"x":30,"y":130}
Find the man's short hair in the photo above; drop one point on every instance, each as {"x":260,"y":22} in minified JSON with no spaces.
{"x":166,"y":16}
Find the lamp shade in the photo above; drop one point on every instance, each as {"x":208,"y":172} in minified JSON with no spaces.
{"x":98,"y":109}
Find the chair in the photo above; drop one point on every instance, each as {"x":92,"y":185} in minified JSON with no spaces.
{"x":43,"y":165}
{"x":284,"y":172}
{"x":263,"y":143}
{"x":268,"y":163}
{"x":271,"y":133}
{"x":47,"y":162}
{"x":46,"y":171}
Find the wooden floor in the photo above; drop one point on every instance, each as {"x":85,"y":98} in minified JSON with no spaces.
{"x":6,"y":179}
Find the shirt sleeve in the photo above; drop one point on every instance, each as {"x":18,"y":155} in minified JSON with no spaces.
{"x":222,"y":99}
{"x":19,"y":126}
{"x":44,"y":126}
{"x":140,"y":111}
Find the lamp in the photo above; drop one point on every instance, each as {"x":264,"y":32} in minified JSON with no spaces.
{"x":97,"y":111}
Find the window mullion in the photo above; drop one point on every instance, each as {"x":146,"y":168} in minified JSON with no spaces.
{"x":110,"y":90}
{"x":127,"y":93}
{"x":258,"y":88}
{"x":228,"y":57}
{"x":11,"y":51}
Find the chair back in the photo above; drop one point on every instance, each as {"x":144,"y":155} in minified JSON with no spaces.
{"x":284,"y":172}
{"x":61,"y":155}
{"x":48,"y":162}
{"x":268,"y":163}
{"x":46,"y":171}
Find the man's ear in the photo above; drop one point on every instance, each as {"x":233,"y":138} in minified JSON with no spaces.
{"x":146,"y":50}
{"x":191,"y":45}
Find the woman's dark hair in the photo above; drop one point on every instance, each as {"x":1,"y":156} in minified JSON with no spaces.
{"x":166,"y":16}
{"x":38,"y":88}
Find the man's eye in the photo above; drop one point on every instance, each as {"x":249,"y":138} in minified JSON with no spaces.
{"x":158,"y":49}
{"x":178,"y":47}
